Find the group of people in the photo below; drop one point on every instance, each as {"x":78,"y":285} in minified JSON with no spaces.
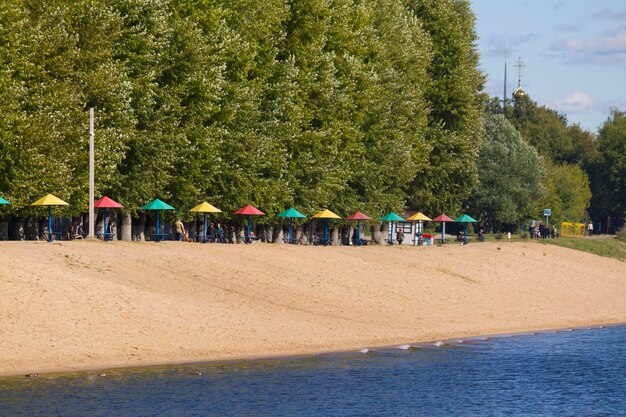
{"x":542,"y":232}
{"x":78,"y":233}
{"x":74,"y":232}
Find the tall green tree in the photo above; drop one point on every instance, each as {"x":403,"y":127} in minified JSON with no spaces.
{"x":511,"y":175}
{"x":567,"y":193}
{"x":612,"y":145}
{"x":453,"y":97}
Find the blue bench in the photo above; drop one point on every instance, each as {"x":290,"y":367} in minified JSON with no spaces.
{"x":157,"y":237}
{"x":205,"y":239}
{"x":105,"y":236}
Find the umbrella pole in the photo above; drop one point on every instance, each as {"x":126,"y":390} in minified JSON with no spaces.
{"x":391,"y":238}
{"x":419,"y":232}
{"x":443,"y":232}
{"x":358,"y":233}
{"x":204,"y":240}
{"x":104,"y":231}
{"x":326,"y":231}
{"x":291,"y":230}
{"x":158,"y":238}
{"x":248,"y":235}
{"x":465,"y":233}
{"x":49,"y":223}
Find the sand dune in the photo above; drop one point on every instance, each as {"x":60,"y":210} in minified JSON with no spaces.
{"x":78,"y":305}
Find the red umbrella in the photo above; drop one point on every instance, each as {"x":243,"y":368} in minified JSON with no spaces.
{"x":249,"y":211}
{"x":358,"y":216}
{"x":105,"y":203}
{"x":443,"y":219}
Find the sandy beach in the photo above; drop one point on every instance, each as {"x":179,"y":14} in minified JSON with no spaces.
{"x":88,"y":304}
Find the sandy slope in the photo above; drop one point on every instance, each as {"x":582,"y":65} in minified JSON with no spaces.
{"x":75,"y":305}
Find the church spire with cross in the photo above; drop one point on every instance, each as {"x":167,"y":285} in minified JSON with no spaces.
{"x":520,"y":66}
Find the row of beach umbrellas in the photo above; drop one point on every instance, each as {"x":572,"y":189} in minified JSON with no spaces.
{"x":157,"y":205}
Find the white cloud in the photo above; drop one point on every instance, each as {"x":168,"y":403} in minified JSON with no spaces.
{"x":577,"y":102}
{"x":607,"y":48}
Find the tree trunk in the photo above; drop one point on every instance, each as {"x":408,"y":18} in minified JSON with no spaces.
{"x":139,"y":228}
{"x":235,"y":234}
{"x":4,"y":228}
{"x":334,"y":236}
{"x":114,"y":221}
{"x":17,"y":231}
{"x":277,"y":236}
{"x":35,"y":228}
{"x":264,"y":233}
{"x":346,"y":235}
{"x":99,"y":223}
{"x":377,"y":233}
{"x":127,"y":227}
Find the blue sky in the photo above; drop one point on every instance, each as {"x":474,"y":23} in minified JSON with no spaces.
{"x":574,"y":53}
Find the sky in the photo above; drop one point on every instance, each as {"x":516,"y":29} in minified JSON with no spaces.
{"x":574,"y":52}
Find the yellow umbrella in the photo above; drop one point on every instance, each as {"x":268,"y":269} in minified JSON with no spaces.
{"x":419,"y":218}
{"x":326,"y":215}
{"x":50,"y":200}
{"x":205,"y":208}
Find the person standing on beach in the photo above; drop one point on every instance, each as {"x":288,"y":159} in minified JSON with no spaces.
{"x":219,"y":232}
{"x":590,"y":229}
{"x":180,"y":230}
{"x":112,"y":231}
{"x":400,"y":236}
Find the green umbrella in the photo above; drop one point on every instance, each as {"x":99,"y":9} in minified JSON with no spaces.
{"x":391,"y":217}
{"x":291,"y":214}
{"x":3,"y":201}
{"x":157,"y":205}
{"x":465,"y":219}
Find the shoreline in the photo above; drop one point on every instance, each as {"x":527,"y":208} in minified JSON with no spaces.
{"x":46,"y":372}
{"x":94,"y":305}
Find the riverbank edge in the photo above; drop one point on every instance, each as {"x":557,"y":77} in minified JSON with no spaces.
{"x":101,"y":368}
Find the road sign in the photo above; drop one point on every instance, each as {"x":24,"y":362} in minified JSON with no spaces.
{"x":547,"y":212}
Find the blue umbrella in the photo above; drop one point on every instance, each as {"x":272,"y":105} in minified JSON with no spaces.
{"x":291,"y":214}
{"x":465,"y":219}
{"x":157,"y":205}
{"x":391,"y":217}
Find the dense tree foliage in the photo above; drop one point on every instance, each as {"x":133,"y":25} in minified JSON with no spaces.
{"x":347,"y":104}
{"x":567,"y":193}
{"x":613,"y":169}
{"x":454,"y":122}
{"x":575,"y":184}
{"x":511,"y":175}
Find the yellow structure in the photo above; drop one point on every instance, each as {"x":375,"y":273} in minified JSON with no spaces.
{"x":572,"y":229}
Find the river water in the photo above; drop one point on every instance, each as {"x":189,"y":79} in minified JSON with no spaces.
{"x":566,"y":373}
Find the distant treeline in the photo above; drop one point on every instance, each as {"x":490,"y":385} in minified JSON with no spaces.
{"x":370,"y":105}
{"x":531,"y":159}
